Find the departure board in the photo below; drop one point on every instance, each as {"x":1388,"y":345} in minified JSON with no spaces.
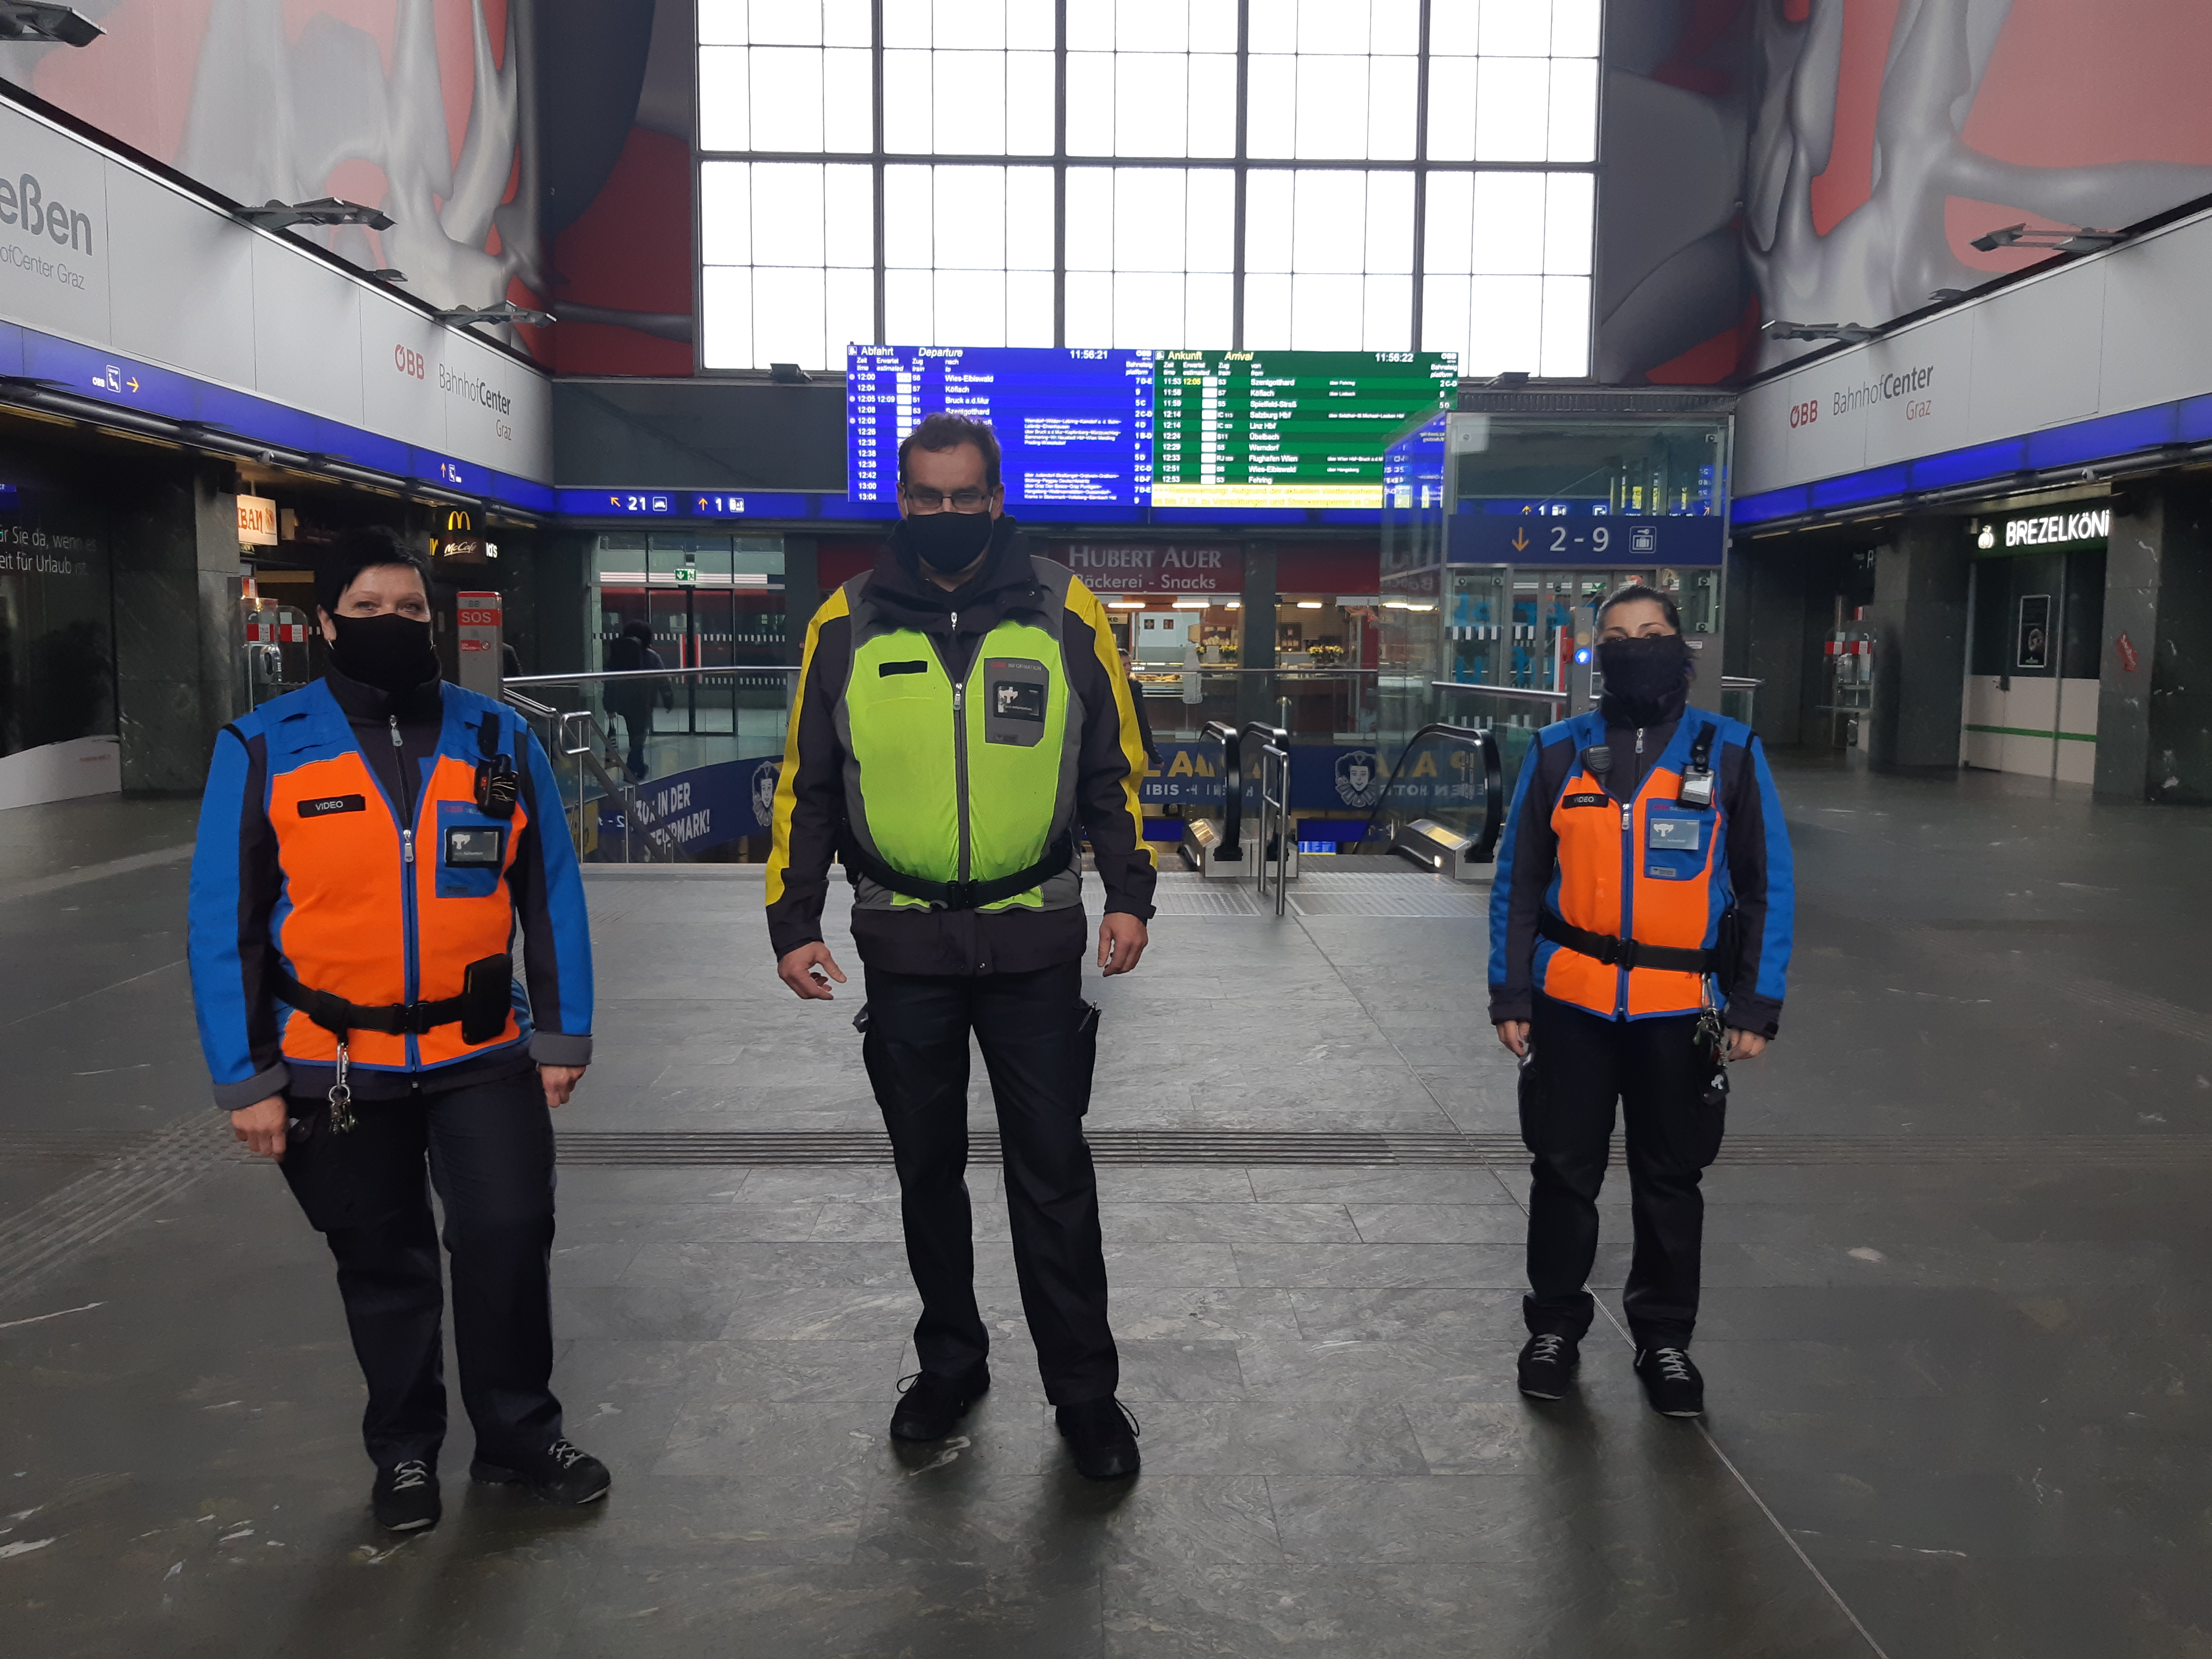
{"x":1285,"y":429}
{"x":1074,"y":427}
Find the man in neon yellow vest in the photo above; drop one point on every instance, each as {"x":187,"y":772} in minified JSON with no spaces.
{"x":961,"y":719}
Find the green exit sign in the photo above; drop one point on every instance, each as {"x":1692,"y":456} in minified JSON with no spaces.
{"x":687,"y":573}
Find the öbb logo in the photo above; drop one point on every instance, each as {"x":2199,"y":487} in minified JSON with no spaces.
{"x":1804,"y":414}
{"x":409,"y":362}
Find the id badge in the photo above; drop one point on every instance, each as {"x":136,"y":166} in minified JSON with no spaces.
{"x":1674,"y":834}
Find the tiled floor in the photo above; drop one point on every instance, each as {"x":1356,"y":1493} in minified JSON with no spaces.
{"x":1956,"y":1408}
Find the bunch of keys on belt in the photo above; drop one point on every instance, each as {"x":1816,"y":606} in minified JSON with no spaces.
{"x":341,"y":1097}
{"x":1711,"y":1037}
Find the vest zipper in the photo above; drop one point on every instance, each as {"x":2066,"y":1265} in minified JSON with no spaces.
{"x":1627,"y":888}
{"x":960,"y":770}
{"x":407,"y":807}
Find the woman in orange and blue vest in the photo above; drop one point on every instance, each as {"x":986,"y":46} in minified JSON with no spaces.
{"x":369,"y":846}
{"x":1640,"y":928}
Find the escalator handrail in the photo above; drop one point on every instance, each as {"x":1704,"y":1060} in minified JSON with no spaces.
{"x":1494,"y":770}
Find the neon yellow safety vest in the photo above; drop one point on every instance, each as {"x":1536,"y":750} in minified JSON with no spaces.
{"x":964,"y":782}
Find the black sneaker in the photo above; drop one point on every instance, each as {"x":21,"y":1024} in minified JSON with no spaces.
{"x":930,"y":1404}
{"x":1101,"y":1437}
{"x":1671,"y":1383}
{"x":1547,"y":1366}
{"x":405,"y":1497}
{"x":562,"y":1474}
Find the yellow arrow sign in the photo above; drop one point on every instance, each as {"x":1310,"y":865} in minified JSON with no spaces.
{"x":1520,"y":541}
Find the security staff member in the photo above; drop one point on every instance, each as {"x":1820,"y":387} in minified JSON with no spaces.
{"x":961,"y":716}
{"x":1644,"y":859}
{"x":368,"y":846}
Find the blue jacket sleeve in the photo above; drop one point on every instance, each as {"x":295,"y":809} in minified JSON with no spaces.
{"x":236,"y":880}
{"x":1763,"y":880}
{"x":548,"y":888}
{"x":1526,"y":854}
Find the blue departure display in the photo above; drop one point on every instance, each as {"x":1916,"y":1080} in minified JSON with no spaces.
{"x":1075,"y":426}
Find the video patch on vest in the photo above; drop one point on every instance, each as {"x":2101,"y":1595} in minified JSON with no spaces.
{"x":1013,"y":700}
{"x":1020,"y":692}
{"x":330,"y":803}
{"x":473,"y":848}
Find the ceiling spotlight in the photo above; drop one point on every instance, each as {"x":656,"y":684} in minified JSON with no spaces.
{"x":505,"y":312}
{"x":388,"y":275}
{"x":1850,"y":333}
{"x":325,"y":211}
{"x":30,"y":20}
{"x":787,"y":375}
{"x":2079,"y":240}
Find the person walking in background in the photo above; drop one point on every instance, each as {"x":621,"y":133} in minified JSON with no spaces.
{"x":960,"y":719}
{"x":368,"y":847}
{"x":631,"y":652}
{"x":1137,"y":704}
{"x":1644,"y":860}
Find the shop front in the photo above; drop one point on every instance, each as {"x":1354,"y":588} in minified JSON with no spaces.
{"x":2036,"y":605}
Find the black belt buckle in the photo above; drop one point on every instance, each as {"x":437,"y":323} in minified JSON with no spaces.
{"x":960,"y":895}
{"x":413,"y":1019}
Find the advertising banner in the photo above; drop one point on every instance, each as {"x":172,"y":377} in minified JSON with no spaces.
{"x":704,"y":807}
{"x":1324,"y":778}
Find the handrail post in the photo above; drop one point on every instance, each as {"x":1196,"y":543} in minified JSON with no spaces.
{"x":1274,"y":828}
{"x":1232,"y":782}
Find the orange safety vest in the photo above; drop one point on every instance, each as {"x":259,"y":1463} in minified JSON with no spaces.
{"x":1650,"y":871}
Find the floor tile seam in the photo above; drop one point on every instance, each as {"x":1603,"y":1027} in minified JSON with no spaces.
{"x":86,"y":996}
{"x":1712,"y":1443}
{"x":1322,"y":951}
{"x":37,"y":885}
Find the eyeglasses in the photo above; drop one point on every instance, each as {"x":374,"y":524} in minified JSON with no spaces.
{"x":923,"y":499}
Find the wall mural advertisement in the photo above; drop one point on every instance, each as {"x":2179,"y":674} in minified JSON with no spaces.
{"x":533,"y":152}
{"x":1832,"y":160}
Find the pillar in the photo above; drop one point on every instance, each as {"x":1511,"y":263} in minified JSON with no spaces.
{"x":1919,"y":623}
{"x":1255,"y":699}
{"x":180,"y":630}
{"x":2134,"y":560}
{"x":802,"y":591}
{"x":2179,"y":752}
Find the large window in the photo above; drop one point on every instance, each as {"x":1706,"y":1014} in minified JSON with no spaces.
{"x":1380,"y":175}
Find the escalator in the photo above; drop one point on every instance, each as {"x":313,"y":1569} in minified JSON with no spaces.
{"x":1444,"y":805}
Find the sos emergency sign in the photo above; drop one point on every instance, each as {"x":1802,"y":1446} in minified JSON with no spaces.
{"x":476,"y":622}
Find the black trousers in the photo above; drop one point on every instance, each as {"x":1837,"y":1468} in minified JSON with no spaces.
{"x":916,"y":1050}
{"x":638,"y":718}
{"x":489,"y":1150}
{"x":1582,"y":1064}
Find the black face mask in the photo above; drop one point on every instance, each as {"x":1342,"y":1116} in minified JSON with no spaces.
{"x":1647,"y":681}
{"x":391,"y":653}
{"x":945,"y":541}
